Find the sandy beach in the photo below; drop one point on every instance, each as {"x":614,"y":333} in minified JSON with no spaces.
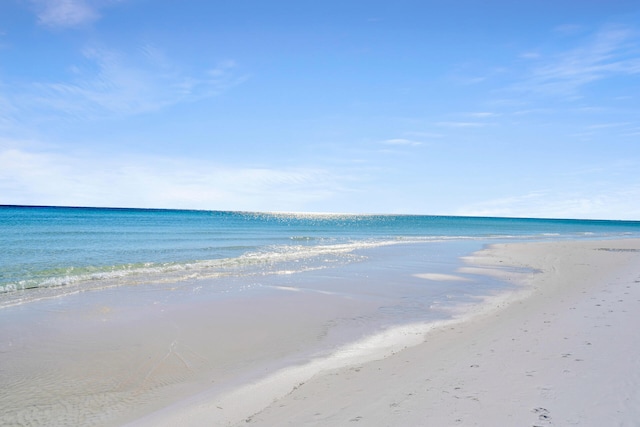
{"x":561,"y":350}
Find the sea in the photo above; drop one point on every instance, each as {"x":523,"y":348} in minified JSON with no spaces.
{"x":108,"y":314}
{"x":65,"y":248}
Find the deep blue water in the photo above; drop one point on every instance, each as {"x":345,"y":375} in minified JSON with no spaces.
{"x":46,"y":247}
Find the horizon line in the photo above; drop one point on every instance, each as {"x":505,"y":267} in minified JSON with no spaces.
{"x":300,"y":213}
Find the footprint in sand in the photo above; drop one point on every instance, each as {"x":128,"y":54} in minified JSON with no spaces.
{"x":543,"y":414}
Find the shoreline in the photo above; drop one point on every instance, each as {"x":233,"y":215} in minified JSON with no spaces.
{"x":113,"y":356}
{"x":533,"y":356}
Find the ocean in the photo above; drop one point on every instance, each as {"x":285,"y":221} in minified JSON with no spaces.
{"x":107,"y":315}
{"x":88,"y":248}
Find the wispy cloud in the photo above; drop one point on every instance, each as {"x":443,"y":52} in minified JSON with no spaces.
{"x":7,"y":111}
{"x":67,"y":13}
{"x":472,"y":73}
{"x":401,"y":141}
{"x":608,"y":203}
{"x":613,"y":51}
{"x":117,"y":84}
{"x":456,"y":124}
{"x":608,"y":125}
{"x":45,"y":177}
{"x":429,"y":135}
{"x":483,"y":114}
{"x":568,"y":29}
{"x":530,"y":55}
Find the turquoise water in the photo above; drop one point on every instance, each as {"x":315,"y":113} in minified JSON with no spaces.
{"x":55,"y":247}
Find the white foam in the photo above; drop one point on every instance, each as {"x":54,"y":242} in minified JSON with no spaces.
{"x":442,"y":277}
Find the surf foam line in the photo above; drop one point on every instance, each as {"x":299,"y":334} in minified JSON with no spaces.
{"x":270,"y":260}
{"x":266,"y":261}
{"x":153,"y":272}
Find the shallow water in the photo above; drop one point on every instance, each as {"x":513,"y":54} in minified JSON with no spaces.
{"x":51,"y":251}
{"x":110,"y":356}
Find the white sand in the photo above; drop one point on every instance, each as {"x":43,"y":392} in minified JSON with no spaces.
{"x":563,"y":351}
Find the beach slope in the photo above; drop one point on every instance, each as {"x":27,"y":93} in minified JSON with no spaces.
{"x":562,"y":350}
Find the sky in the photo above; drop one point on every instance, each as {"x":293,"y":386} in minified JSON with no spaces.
{"x":524,"y":108}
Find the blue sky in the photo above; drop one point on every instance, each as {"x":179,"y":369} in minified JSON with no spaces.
{"x":501,"y":108}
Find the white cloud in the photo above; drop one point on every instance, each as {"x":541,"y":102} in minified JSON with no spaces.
{"x":608,"y":125}
{"x":65,"y":13}
{"x":471,"y":80}
{"x":530,"y":55}
{"x":31,"y":177}
{"x":614,"y":51}
{"x":483,"y":114}
{"x":461,"y":124}
{"x":425,"y":134}
{"x":568,"y":29}
{"x":612,"y":203}
{"x":117,"y":84}
{"x":401,"y":141}
{"x":7,"y":110}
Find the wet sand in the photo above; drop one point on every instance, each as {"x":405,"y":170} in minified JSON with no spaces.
{"x":562,"y":350}
{"x":101,"y":359}
{"x":114,"y":355}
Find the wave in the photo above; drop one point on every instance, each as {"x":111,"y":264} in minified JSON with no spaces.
{"x":275,"y":259}
{"x":303,"y":253}
{"x":264,"y":261}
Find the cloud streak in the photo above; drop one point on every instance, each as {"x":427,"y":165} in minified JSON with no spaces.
{"x":561,"y":204}
{"x":614,"y":51}
{"x":119,"y":85}
{"x":454,"y":124}
{"x":401,"y":142}
{"x":65,"y":13}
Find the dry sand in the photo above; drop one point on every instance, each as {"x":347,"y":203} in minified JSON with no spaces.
{"x":564,"y":350}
